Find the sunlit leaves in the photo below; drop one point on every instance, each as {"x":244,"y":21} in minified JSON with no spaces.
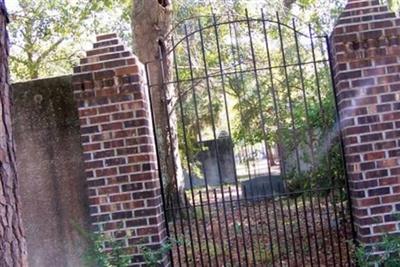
{"x":47,"y":36}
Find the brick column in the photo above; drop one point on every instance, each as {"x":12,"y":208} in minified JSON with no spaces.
{"x":366,"y":53}
{"x":119,"y":152}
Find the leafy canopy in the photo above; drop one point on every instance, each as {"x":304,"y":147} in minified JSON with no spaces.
{"x":47,"y":36}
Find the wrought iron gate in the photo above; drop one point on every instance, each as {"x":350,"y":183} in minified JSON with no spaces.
{"x":262,"y":179}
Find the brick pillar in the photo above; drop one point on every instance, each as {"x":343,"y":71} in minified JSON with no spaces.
{"x":366,"y":54}
{"x":119,"y":151}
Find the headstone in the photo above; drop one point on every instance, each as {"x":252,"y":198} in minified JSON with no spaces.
{"x":262,"y":186}
{"x":217,"y":161}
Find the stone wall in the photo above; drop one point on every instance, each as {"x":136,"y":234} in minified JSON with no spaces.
{"x":51,"y":171}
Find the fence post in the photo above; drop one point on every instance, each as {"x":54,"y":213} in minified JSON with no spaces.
{"x":366,"y":53}
{"x":119,"y":152}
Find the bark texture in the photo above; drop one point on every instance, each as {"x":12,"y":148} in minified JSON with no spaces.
{"x":151,"y":23}
{"x":12,"y":240}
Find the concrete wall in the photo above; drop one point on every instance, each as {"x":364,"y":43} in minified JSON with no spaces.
{"x":51,"y":171}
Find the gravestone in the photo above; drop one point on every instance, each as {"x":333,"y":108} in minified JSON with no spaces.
{"x":192,"y":181}
{"x":262,"y":186}
{"x":218,"y":152}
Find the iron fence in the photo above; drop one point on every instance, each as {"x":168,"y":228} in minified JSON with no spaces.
{"x":263,"y":179}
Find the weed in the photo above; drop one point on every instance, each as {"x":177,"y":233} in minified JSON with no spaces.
{"x":153,"y":257}
{"x":390,"y":256}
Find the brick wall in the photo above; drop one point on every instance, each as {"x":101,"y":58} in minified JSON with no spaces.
{"x":119,"y":152}
{"x":366,"y":52}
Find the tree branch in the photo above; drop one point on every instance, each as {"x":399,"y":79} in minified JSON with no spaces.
{"x":18,"y":59}
{"x":50,"y":49}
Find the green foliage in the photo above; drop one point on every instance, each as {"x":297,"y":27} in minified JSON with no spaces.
{"x":153,"y":256}
{"x":254,"y":116}
{"x":394,"y":5}
{"x":47,"y":36}
{"x":238,"y":227}
{"x":390,"y":257}
{"x":103,"y":251}
{"x":327,"y":173}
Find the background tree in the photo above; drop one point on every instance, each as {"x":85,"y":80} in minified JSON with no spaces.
{"x":12,"y":240}
{"x":151,"y":23}
{"x":48,"y":36}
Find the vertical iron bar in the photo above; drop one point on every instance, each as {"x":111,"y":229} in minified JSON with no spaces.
{"x":220,"y":227}
{"x":187,"y":160}
{"x":186,"y":143}
{"x":256,"y":227}
{"x":197,"y":116}
{"x":176,"y":237}
{"x":234,"y":222}
{"x":249,"y":223}
{"x":163,"y":84}
{"x":229,"y":130}
{"x":212,"y":226}
{"x":288,"y":91}
{"x":179,"y":208}
{"x":322,"y":227}
{"x":193,"y":85}
{"x":335,"y":216}
{"x":310,"y":132}
{"x":284,"y":229}
{"x":261,"y":225}
{"x":307,"y":230}
{"x":314,"y":227}
{"x":345,"y":220}
{"x":212,"y":116}
{"x":325,"y":125}
{"x":277,"y":231}
{"x":276,"y":108}
{"x":204,"y":226}
{"x":239,"y":60}
{"x":291,"y":231}
{"x":158,"y":160}
{"x":242,"y":228}
{"x":258,"y":87}
{"x":330,"y":228}
{"x":300,"y":233}
{"x":341,"y":142}
{"x":262,"y":118}
{"x":274,"y":97}
{"x":271,"y":240}
{"x":190,"y":229}
{"x":316,"y":73}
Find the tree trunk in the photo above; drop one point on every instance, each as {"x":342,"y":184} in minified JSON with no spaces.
{"x":12,"y":240}
{"x":151,"y":23}
{"x":271,"y":157}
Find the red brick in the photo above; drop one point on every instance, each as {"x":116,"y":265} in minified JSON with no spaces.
{"x":384,"y":228}
{"x":391,"y":199}
{"x":389,"y":181}
{"x":374,"y":155}
{"x":381,"y":209}
{"x":119,"y":156}
{"x":108,"y":190}
{"x":106,"y":37}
